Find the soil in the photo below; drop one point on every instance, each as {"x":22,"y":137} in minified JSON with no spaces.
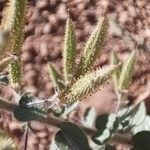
{"x":43,"y":43}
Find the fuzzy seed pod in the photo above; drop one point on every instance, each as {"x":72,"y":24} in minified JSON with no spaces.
{"x":13,"y":22}
{"x":86,"y":85}
{"x":69,"y":51}
{"x":15,"y":72}
{"x":93,"y":47}
{"x":5,"y":62}
{"x":126,"y":72}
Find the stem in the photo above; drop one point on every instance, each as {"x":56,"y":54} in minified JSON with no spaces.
{"x":26,"y":137}
{"x":118,"y":100}
{"x":53,"y":121}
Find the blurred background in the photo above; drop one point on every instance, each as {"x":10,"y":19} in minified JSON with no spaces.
{"x":43,"y":42}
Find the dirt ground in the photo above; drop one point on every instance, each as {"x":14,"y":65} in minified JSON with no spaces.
{"x":43,"y":42}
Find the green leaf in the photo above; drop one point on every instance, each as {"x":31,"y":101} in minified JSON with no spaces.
{"x":69,"y":109}
{"x":25,"y":99}
{"x":145,"y":125}
{"x":109,"y":121}
{"x":141,"y":140}
{"x":101,"y":136}
{"x":89,"y":117}
{"x":139,"y":116}
{"x":126,"y":72}
{"x":87,"y":85}
{"x":27,"y":114}
{"x":69,"y":51}
{"x":56,"y":78}
{"x":71,"y":137}
{"x":4,"y":80}
{"x":93,"y":47}
{"x":107,"y":124}
{"x":132,"y":116}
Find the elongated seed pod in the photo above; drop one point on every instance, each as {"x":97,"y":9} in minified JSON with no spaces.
{"x":15,"y":72}
{"x":5,"y":62}
{"x":115,"y":61}
{"x":93,"y":47}
{"x":126,"y":72}
{"x":13,"y":22}
{"x":86,"y":85}
{"x":69,"y":51}
{"x":56,"y":78}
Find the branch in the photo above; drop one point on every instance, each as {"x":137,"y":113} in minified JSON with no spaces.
{"x":53,"y":121}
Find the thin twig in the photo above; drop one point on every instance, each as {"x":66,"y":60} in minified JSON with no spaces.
{"x":26,"y":137}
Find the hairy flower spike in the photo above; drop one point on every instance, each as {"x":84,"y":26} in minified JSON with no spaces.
{"x":114,"y":61}
{"x":13,"y":22}
{"x":56,"y":78}
{"x":69,"y":51}
{"x":5,"y":62}
{"x":126,"y":72}
{"x":93,"y":47}
{"x":86,"y":85}
{"x":15,"y":72}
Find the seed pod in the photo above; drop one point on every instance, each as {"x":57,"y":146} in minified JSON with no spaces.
{"x":69,"y":51}
{"x":126,"y":72}
{"x":15,"y":72}
{"x":93,"y":47}
{"x":86,"y":85}
{"x":13,"y":22}
{"x":5,"y":62}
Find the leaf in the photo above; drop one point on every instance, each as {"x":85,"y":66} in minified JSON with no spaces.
{"x":93,"y":47}
{"x":145,"y":125}
{"x":141,"y":140}
{"x":139,"y":116}
{"x":69,"y":51}
{"x":101,"y":136}
{"x":107,"y":124}
{"x":56,"y":78}
{"x":109,"y":121}
{"x":4,"y":80}
{"x":115,"y":61}
{"x":27,"y":114}
{"x":71,"y":137}
{"x":126,"y":72}
{"x":132,"y":116}
{"x":86,"y":85}
{"x":25,"y":99}
{"x":89,"y":117}
{"x":69,"y":109}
